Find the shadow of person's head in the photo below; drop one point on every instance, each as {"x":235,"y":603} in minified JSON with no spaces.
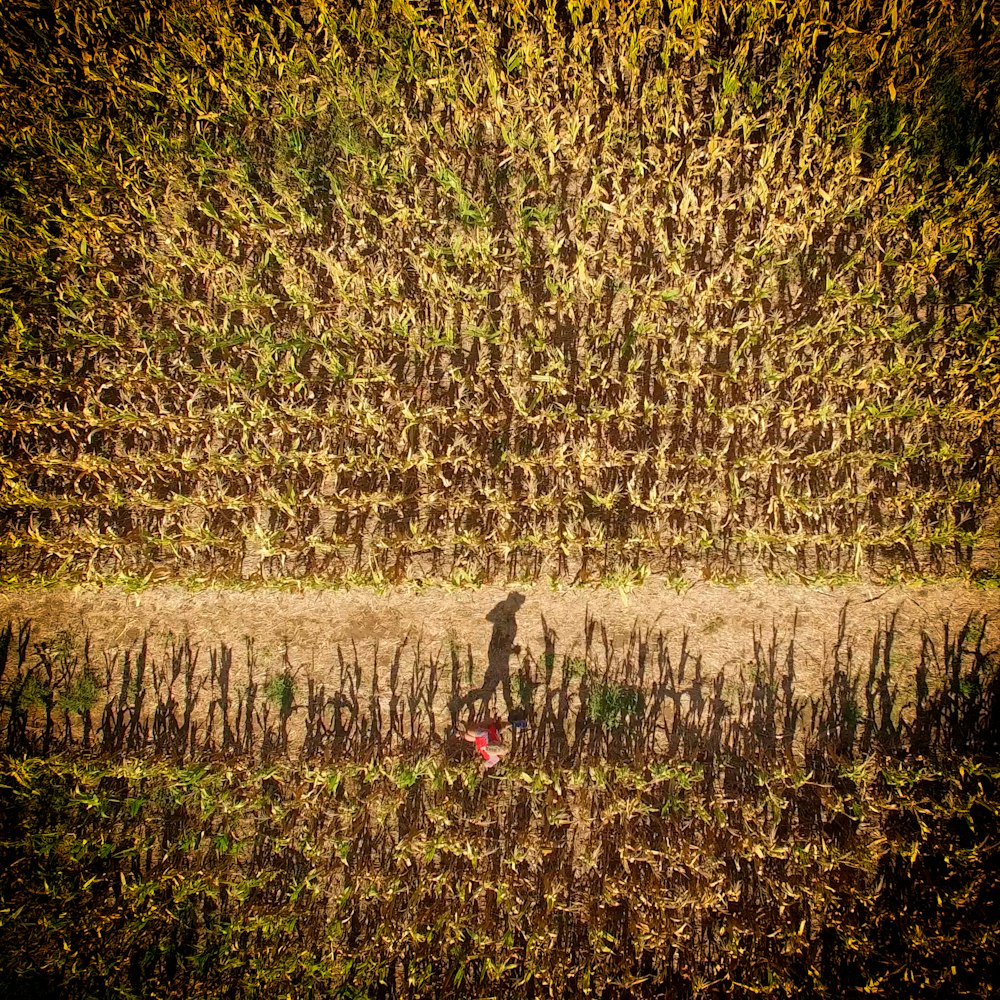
{"x":507,"y":608}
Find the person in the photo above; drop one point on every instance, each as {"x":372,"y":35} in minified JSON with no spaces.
{"x":487,"y":739}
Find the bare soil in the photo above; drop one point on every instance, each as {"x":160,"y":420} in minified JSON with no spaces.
{"x":302,"y":631}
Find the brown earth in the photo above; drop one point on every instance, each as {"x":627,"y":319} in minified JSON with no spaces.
{"x":301,"y":631}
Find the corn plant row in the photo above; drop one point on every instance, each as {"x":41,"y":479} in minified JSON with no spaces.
{"x":416,"y":878}
{"x":729,"y":271}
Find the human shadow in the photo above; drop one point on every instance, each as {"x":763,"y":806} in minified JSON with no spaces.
{"x":502,"y":647}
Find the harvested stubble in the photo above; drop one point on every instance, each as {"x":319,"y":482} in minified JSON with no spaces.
{"x":305,"y":291}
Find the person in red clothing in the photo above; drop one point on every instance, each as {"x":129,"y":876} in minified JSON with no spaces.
{"x":486,"y":737}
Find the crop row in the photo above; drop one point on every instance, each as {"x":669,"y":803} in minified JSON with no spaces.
{"x":419,"y":878}
{"x":731,"y":274}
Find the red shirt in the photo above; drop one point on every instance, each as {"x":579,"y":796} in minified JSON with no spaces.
{"x":492,"y":735}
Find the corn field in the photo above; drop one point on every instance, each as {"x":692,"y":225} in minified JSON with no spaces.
{"x":326,"y":291}
{"x":772,"y":845}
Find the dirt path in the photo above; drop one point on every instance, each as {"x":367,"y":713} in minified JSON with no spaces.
{"x":302,"y":630}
